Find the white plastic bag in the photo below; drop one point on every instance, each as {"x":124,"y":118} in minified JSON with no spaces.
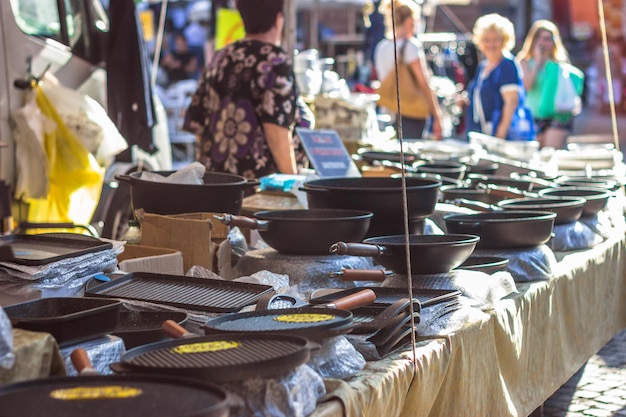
{"x":566,"y":98}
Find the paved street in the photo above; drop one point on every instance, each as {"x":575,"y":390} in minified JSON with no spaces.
{"x":598,"y":389}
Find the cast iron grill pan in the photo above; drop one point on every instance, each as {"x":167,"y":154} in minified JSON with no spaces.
{"x":43,"y":249}
{"x":68,"y":319}
{"x":157,"y":396}
{"x":221,"y":357}
{"x":310,"y":322}
{"x":189,"y":293}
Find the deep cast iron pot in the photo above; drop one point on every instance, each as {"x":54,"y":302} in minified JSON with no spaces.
{"x":380,"y":195}
{"x":220,"y":193}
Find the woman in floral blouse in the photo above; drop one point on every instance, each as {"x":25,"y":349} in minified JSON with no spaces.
{"x":245,"y":108}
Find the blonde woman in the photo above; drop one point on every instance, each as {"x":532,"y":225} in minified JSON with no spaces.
{"x":542,"y":44}
{"x":494,"y":93}
{"x":409,"y":49}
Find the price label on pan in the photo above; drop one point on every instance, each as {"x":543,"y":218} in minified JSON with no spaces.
{"x":206,"y":347}
{"x":327,"y":153}
{"x":95,"y":393}
{"x":304,"y":318}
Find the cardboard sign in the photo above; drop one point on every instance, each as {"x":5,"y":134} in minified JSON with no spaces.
{"x":327,"y":153}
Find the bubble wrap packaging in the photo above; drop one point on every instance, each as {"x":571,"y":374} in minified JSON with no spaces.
{"x":6,"y":341}
{"x":337,"y":358}
{"x":525,"y":265}
{"x":101,"y":351}
{"x":294,"y":394}
{"x":574,"y":236}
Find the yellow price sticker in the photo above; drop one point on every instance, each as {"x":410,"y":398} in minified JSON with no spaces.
{"x":304,"y":318}
{"x":206,"y":347}
{"x":95,"y":393}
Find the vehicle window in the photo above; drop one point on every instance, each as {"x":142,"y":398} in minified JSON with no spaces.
{"x":38,"y":18}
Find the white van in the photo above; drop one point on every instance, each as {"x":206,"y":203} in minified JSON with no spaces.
{"x":68,"y":38}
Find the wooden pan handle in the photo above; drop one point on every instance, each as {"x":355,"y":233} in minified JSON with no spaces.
{"x":358,"y":299}
{"x":239,"y":221}
{"x":378,"y":275}
{"x":81,"y":362}
{"x":356,"y":249}
{"x":174,"y":330}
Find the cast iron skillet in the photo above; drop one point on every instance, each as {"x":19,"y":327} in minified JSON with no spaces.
{"x":567,"y":209}
{"x":504,"y":229}
{"x":304,"y":232}
{"x":597,"y":198}
{"x":430,"y":254}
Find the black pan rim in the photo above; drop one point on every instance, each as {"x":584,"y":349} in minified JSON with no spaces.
{"x":341,"y":214}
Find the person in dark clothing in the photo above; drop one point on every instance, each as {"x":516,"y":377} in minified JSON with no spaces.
{"x":181,"y":63}
{"x":245,"y":108}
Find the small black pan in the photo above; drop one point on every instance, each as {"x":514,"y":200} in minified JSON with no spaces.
{"x":597,"y":198}
{"x":567,"y":209}
{"x":304,"y":232}
{"x":430,"y":254}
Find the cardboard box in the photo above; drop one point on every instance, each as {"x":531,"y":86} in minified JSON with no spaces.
{"x":140,"y":258}
{"x":197,"y":235}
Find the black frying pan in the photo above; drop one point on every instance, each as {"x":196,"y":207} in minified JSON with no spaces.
{"x":507,"y":229}
{"x":430,"y":254}
{"x":597,"y":198}
{"x":304,"y":232}
{"x":567,"y":209}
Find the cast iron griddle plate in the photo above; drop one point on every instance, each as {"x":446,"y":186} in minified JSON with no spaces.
{"x":221,"y":357}
{"x":386,"y":296}
{"x":43,"y":249}
{"x":303,"y":321}
{"x":202,"y":294}
{"x":110,"y":395}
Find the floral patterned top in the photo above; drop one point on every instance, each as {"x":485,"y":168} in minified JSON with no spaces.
{"x":248,"y":83}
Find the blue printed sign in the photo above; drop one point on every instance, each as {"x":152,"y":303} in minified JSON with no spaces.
{"x":327,"y":153}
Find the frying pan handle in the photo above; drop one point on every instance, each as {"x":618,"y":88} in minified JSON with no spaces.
{"x":242,"y":221}
{"x":358,"y":299}
{"x":476,"y":205}
{"x":356,"y":249}
{"x":378,"y":275}
{"x":314,"y":190}
{"x":82,"y":363}
{"x":252,"y":182}
{"x":126,"y":179}
{"x":174,"y":330}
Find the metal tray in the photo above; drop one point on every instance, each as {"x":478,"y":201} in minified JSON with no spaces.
{"x":43,"y":249}
{"x":201,"y":294}
{"x":386,"y":296}
{"x":68,"y":319}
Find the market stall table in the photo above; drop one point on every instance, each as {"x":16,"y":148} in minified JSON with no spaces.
{"x":507,"y":361}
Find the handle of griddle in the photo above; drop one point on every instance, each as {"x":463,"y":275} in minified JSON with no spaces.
{"x":377,"y":275}
{"x":82,"y":363}
{"x":126,"y":179}
{"x":358,"y":299}
{"x":175,"y":330}
{"x":356,"y":249}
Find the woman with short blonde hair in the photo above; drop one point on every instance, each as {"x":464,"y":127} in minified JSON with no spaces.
{"x":495,"y":91}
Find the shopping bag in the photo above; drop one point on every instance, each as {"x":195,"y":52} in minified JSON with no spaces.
{"x":552,"y":73}
{"x":522,"y":125}
{"x":412,"y":99}
{"x":567,"y":97}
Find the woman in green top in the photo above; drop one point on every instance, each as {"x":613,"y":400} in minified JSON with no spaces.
{"x":542,"y":44}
